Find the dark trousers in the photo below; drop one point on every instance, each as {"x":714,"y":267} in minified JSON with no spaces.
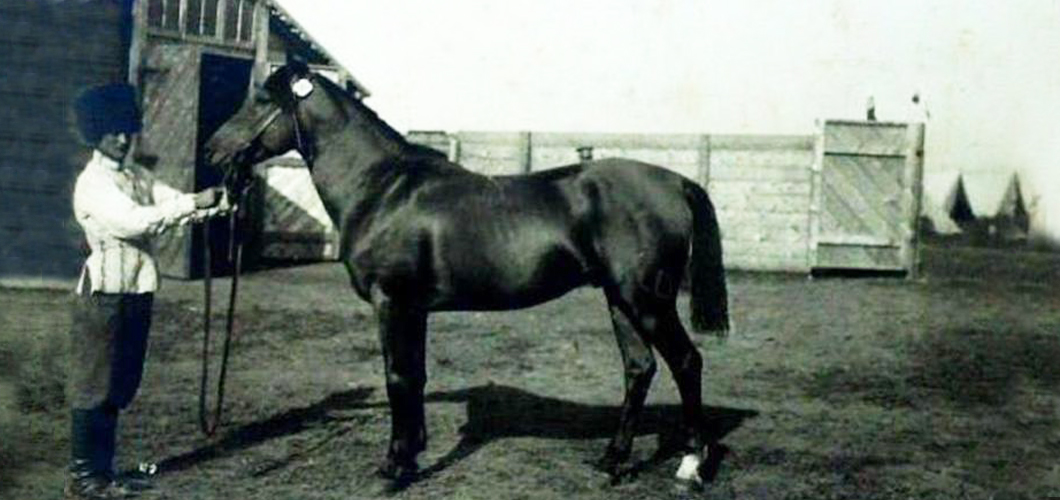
{"x":108,"y":345}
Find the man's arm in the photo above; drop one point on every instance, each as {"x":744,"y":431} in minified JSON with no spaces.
{"x":162,"y":192}
{"x":116,"y":214}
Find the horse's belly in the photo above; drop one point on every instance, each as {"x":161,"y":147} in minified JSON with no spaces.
{"x":506,"y":276}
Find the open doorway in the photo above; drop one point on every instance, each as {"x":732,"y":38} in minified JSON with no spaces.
{"x":223,"y":85}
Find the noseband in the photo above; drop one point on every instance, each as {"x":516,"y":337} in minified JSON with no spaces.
{"x":299,"y":142}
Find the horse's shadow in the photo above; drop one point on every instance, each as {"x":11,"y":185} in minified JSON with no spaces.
{"x":494,"y":412}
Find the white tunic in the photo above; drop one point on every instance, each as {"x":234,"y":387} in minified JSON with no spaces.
{"x":121,"y":210}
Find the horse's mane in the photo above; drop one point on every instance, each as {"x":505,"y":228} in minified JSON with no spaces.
{"x":356,"y":111}
{"x":362,"y":114}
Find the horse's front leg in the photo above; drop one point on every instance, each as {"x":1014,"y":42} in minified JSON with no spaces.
{"x":402,"y":335}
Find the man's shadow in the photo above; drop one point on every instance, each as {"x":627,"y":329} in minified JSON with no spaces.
{"x":494,"y":412}
{"x":287,"y":423}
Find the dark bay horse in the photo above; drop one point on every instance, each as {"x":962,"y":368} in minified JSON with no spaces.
{"x":422,"y":234}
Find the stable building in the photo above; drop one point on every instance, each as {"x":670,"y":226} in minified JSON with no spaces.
{"x":193,"y":62}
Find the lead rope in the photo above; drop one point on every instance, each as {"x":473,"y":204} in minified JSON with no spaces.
{"x":235,"y":255}
{"x":207,"y":424}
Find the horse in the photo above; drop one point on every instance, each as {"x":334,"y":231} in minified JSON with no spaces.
{"x":420,"y":234}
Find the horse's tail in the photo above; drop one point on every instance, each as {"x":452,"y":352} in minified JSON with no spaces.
{"x":710,"y":300}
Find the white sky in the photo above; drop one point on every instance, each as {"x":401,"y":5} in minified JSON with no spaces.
{"x":989,"y":71}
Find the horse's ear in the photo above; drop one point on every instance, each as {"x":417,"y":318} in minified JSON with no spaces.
{"x":298,"y":68}
{"x":296,"y":63}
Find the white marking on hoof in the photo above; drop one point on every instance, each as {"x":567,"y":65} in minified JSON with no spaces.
{"x":689,"y":469}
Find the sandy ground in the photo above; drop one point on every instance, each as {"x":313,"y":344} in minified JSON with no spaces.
{"x":948,"y":387}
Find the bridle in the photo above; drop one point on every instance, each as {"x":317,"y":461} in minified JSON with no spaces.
{"x":238,"y":182}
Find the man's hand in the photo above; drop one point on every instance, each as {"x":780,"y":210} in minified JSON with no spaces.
{"x":207,"y":197}
{"x":225,"y":207}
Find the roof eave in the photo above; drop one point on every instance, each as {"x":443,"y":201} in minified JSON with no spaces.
{"x":286,"y":17}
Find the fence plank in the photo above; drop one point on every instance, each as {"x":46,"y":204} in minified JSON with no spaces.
{"x":618,"y":141}
{"x":865,"y":138}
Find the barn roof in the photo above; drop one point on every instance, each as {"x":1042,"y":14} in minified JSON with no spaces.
{"x":284,"y":24}
{"x":992,"y":193}
{"x":940,"y":192}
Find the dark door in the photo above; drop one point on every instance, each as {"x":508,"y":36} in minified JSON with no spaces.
{"x":223,"y":86}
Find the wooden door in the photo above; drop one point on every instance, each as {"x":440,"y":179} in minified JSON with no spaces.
{"x":170,"y":96}
{"x":867,"y":188}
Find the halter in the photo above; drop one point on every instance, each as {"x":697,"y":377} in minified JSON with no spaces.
{"x":300,"y":144}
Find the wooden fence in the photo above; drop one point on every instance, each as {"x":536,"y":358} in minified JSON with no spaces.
{"x":761,"y":185}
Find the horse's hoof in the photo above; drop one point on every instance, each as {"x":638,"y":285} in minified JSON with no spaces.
{"x":396,"y":477}
{"x":690,"y":470}
{"x":611,"y":464}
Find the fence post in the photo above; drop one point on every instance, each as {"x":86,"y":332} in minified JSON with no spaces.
{"x":703,"y":161}
{"x":816,"y":195}
{"x":914,"y":179}
{"x":525,"y":152}
{"x":454,"y":148}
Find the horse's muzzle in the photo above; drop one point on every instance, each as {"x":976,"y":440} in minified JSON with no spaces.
{"x":218,"y":155}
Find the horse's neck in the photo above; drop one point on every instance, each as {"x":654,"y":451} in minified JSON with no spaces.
{"x":343,"y":166}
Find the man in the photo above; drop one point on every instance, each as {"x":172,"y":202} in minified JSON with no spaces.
{"x":121,"y":209}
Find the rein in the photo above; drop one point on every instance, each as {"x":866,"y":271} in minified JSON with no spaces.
{"x":209,"y":423}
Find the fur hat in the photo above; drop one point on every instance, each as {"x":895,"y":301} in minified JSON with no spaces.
{"x":106,"y":109}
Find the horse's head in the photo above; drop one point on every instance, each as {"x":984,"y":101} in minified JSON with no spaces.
{"x":277,"y":117}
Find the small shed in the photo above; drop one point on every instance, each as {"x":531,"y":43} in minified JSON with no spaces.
{"x":193,"y":62}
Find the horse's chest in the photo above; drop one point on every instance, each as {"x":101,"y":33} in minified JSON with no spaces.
{"x":388,"y":255}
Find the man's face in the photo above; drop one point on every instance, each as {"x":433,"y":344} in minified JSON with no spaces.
{"x":114,"y":146}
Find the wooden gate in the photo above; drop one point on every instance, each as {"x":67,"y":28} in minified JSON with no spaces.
{"x":866,"y":196}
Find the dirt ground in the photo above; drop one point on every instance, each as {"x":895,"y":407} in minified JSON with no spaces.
{"x":947,"y":387}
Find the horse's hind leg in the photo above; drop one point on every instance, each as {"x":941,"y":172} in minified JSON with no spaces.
{"x":402,"y":335}
{"x":655,"y":317}
{"x":686,"y":364}
{"x":639,"y":369}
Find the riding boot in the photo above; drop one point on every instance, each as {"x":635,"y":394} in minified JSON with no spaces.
{"x":88,"y":479}
{"x":106,"y":432}
{"x":129,"y":484}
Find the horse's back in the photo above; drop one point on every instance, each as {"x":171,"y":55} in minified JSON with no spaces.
{"x":607,"y":217}
{"x":625,"y":219}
